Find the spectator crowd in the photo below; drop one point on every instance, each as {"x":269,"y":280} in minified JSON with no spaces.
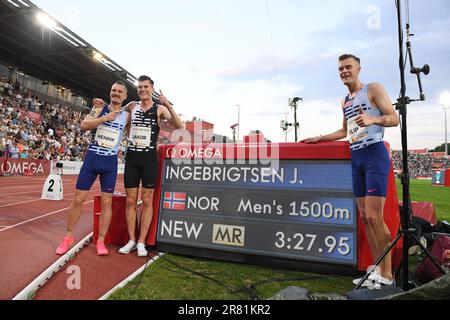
{"x":420,"y":164}
{"x":34,"y":129}
{"x":52,"y":133}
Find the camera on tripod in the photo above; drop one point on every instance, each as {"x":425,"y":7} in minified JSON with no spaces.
{"x":293,"y":101}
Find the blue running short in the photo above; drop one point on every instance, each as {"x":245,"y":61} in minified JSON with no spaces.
{"x":370,"y":170}
{"x":94,"y":165}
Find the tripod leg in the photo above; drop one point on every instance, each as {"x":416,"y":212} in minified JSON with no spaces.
{"x":432,"y":258}
{"x":389,"y":248}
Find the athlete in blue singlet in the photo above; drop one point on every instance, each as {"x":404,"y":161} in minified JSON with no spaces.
{"x":107,"y":123}
{"x":367,"y":110}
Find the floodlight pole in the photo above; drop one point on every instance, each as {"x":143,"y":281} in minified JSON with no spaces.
{"x":293,"y":103}
{"x":445,"y":116}
{"x":239,"y":120}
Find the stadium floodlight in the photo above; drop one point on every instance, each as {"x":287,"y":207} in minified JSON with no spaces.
{"x":13,"y":3}
{"x":444,"y":99}
{"x":46,"y":21}
{"x":23,"y":3}
{"x":18,"y":3}
{"x":98,"y":56}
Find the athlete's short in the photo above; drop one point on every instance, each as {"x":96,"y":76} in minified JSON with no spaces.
{"x":370,"y":170}
{"x":140,"y":166}
{"x":94,"y":165}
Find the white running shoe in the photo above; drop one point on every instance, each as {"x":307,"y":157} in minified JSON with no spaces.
{"x":142,"y":252}
{"x":375,"y":281}
{"x":371,"y":278}
{"x":130,"y":246}
{"x":383,"y":281}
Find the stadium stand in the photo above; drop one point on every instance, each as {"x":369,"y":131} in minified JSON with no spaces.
{"x":32,"y":129}
{"x":36,"y":44}
{"x":420,"y":164}
{"x":35,"y":129}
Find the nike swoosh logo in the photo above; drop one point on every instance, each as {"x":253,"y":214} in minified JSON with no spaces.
{"x":372,"y":190}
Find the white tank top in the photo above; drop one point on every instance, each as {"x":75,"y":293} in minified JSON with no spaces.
{"x":144,"y":130}
{"x":361,"y":137}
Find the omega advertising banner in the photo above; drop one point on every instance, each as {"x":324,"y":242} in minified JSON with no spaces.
{"x":21,"y":166}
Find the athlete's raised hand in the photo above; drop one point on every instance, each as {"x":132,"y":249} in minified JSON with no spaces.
{"x":164,"y":100}
{"x":97,"y":108}
{"x":98,"y":103}
{"x":111,"y":116}
{"x":363,"y":119}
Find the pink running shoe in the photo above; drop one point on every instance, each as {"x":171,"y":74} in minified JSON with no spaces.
{"x":65,"y":245}
{"x":101,"y":249}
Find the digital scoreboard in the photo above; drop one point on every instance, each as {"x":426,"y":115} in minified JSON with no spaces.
{"x":294,"y":213}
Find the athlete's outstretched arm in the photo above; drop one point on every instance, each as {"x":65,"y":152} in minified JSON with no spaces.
{"x":130,"y":106}
{"x":93,"y":120}
{"x":337,"y":135}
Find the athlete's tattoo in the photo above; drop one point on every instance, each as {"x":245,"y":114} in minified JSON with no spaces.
{"x":94,"y":113}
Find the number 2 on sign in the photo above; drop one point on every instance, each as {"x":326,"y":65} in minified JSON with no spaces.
{"x":52,"y":183}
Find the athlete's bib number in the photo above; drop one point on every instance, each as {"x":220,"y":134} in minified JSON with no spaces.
{"x":355,"y":132}
{"x":141,"y":137}
{"x":107,"y":137}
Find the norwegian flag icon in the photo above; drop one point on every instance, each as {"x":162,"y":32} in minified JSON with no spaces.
{"x":174,"y":201}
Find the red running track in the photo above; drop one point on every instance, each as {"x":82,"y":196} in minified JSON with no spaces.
{"x":31,"y":228}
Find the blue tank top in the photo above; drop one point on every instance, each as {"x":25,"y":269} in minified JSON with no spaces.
{"x":107,"y":137}
{"x":371,"y":134}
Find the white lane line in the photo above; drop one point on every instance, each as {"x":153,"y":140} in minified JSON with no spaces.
{"x":12,"y":204}
{"x":131,"y":277}
{"x":16,"y":193}
{"x":28,"y":201}
{"x":69,"y":194}
{"x":18,"y":224}
{"x":39,"y":217}
{"x":29,"y":291}
{"x":23,"y":185}
{"x":34,"y":190}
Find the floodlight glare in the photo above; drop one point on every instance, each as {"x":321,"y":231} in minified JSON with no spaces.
{"x":98,"y":56}
{"x":46,"y":21}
